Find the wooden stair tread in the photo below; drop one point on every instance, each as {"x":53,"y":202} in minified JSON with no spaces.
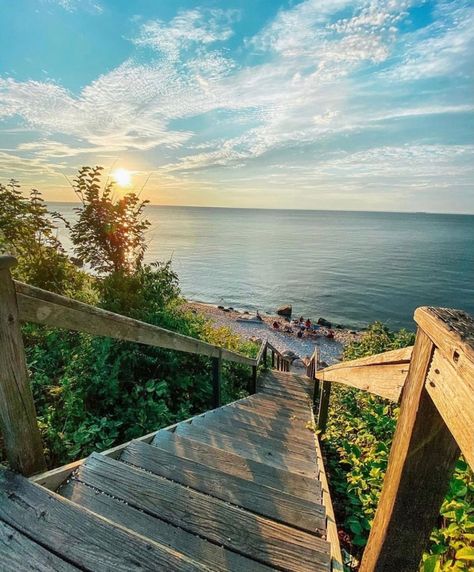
{"x":251,"y":535}
{"x":241,"y":492}
{"x":303,"y":437}
{"x":292,"y":484}
{"x":79,"y":536}
{"x":20,"y":554}
{"x":215,"y":557}
{"x":284,"y":445}
{"x":232,"y":412}
{"x":258,"y":451}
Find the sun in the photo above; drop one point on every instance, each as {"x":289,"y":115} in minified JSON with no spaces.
{"x":122,"y":177}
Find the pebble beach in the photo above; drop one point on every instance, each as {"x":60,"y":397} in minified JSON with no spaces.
{"x":330,"y":349}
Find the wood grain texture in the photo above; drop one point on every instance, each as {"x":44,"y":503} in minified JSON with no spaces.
{"x":18,"y":423}
{"x":249,"y":534}
{"x":301,"y":437}
{"x":283,"y":444}
{"x":453,"y":396}
{"x":383,"y":374}
{"x":240,"y":492}
{"x":265,"y":475}
{"x":213,"y":556}
{"x":420,"y":466}
{"x":257,"y":451}
{"x":20,"y":554}
{"x":43,"y":307}
{"x":77,"y":535}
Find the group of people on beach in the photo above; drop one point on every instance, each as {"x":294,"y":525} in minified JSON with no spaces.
{"x":302,"y":327}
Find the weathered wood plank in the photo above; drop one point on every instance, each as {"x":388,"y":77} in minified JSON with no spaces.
{"x":258,"y":421}
{"x":89,"y":542}
{"x":283,"y":444}
{"x":18,"y":423}
{"x":256,"y":451}
{"x":240,"y":492}
{"x":453,"y":396}
{"x":213,"y":556}
{"x":20,"y":554}
{"x":300,"y":437}
{"x":265,"y":475}
{"x":382,"y":374}
{"x":244,"y":532}
{"x":421,"y":461}
{"x":42,"y":307}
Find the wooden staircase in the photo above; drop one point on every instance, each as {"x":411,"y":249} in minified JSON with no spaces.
{"x":236,"y":488}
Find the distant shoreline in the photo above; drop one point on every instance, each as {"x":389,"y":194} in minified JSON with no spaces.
{"x":331,"y":349}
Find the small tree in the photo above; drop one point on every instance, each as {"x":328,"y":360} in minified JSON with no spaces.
{"x":109,"y":235}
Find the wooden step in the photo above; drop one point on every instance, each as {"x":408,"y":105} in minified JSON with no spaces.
{"x":284,"y":444}
{"x":258,"y":450}
{"x":303,"y":437}
{"x":20,"y":554}
{"x":292,"y":484}
{"x":213,"y":556}
{"x":255,"y":419}
{"x":251,"y":535}
{"x":240,"y":492}
{"x":78,"y":535}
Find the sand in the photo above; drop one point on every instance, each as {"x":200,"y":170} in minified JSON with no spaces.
{"x":330,"y":349}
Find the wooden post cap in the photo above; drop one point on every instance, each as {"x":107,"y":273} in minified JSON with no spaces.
{"x":7,"y":261}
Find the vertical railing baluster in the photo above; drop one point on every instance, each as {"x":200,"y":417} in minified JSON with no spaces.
{"x":216,"y":380}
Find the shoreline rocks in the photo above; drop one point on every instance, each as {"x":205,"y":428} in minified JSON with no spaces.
{"x":285,"y":310}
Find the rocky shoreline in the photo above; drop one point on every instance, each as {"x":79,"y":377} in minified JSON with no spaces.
{"x":244,"y":324}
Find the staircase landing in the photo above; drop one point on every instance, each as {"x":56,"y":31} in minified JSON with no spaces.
{"x":236,"y":488}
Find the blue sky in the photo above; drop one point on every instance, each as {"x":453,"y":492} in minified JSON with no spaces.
{"x":330,"y":104}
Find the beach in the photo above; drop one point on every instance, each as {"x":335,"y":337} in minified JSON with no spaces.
{"x":330,"y":349}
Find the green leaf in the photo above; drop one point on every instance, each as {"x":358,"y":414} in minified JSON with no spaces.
{"x":465,"y":553}
{"x":431,"y":564}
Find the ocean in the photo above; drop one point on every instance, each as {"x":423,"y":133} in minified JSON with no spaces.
{"x":351,"y":268}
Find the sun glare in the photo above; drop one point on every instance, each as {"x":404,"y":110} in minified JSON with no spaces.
{"x":122,"y":177}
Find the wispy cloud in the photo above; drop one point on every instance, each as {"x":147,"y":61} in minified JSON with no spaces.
{"x":320,"y":75}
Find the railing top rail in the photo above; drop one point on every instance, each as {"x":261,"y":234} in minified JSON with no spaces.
{"x":43,"y":307}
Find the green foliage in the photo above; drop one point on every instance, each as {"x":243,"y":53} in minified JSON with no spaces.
{"x":357,"y":444}
{"x":108,"y":234}
{"x":28,"y":231}
{"x":90,"y":392}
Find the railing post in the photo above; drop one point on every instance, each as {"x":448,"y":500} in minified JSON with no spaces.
{"x":216,"y":380}
{"x":265,"y":352}
{"x":324,"y":406}
{"x":17,"y":410}
{"x":421,"y":463}
{"x":253,"y":381}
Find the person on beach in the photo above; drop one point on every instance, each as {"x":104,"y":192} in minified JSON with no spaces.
{"x":299,"y":334}
{"x":308,"y":324}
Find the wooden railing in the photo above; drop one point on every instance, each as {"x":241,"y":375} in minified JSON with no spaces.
{"x":279,"y":361}
{"x":24,"y":303}
{"x":434,"y":383}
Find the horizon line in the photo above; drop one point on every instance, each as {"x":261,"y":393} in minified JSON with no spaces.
{"x":286,"y":209}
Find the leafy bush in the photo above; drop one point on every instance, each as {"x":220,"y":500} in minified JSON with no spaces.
{"x":92,"y":392}
{"x":357,"y":445}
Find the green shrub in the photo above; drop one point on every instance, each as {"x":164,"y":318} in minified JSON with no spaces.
{"x":92,"y":392}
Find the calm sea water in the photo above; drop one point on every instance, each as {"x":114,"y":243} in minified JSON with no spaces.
{"x":349,"y":267}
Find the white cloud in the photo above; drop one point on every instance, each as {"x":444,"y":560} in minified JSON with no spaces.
{"x":187,"y":28}
{"x":317,"y":77}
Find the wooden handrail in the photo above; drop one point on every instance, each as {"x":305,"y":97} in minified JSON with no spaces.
{"x":382,"y":374}
{"x":43,"y":307}
{"x":436,"y":420}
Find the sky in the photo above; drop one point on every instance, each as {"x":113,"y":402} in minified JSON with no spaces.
{"x":310,"y":104}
